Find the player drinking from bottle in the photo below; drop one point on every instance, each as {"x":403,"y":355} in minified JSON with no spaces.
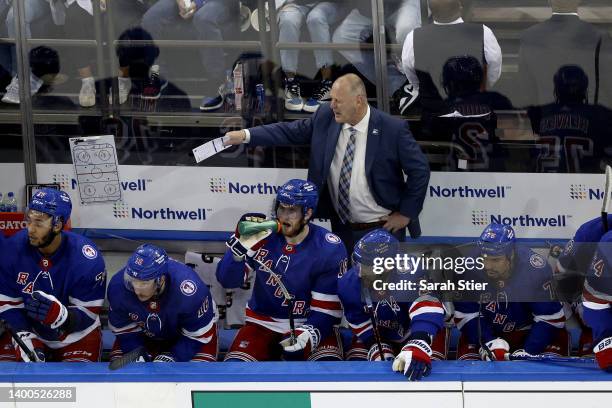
{"x":294,"y":307}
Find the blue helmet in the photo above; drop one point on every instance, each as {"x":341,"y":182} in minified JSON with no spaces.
{"x":56,"y":203}
{"x":147,"y":262}
{"x":298,"y":192}
{"x":497,"y":239}
{"x":375,"y":244}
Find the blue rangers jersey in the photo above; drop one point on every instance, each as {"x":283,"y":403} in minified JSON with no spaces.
{"x":578,"y":252}
{"x":575,"y":259}
{"x":530,"y":283}
{"x":597,"y":293}
{"x":309,"y":271}
{"x":183,"y":314}
{"x":396,"y":320}
{"x":75,"y":274}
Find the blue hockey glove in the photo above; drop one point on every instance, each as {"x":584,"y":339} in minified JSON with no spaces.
{"x":414,"y":361}
{"x":245,"y":247}
{"x":46,"y":309}
{"x":498,"y":347}
{"x":603,"y":354}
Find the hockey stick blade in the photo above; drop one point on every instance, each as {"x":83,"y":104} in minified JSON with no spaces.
{"x":606,"y":199}
{"x":126,"y":359}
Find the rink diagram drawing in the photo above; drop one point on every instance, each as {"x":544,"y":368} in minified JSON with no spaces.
{"x":96,"y":169}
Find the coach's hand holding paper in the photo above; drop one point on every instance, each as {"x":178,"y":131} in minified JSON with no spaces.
{"x":209,"y":149}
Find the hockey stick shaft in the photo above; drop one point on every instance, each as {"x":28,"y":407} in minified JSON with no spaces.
{"x":29,"y":352}
{"x":606,"y":199}
{"x":286,"y":295}
{"x":368,"y":300}
{"x":553,"y":359}
{"x":483,"y":345}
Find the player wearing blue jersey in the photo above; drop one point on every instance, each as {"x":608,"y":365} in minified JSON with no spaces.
{"x":163,"y":305}
{"x":570,"y":271}
{"x":52,"y":286}
{"x":402,"y":329}
{"x":516,"y":313}
{"x":304,"y":259}
{"x":597,"y":301}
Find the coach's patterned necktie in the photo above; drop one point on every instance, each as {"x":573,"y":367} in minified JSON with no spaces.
{"x":344,"y":184}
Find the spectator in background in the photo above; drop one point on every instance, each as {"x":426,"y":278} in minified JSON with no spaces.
{"x":427,"y":48}
{"x":573,"y":135}
{"x":124,"y":14}
{"x":319,"y":15}
{"x":34,"y":11}
{"x":468,"y":121}
{"x":137,"y":59}
{"x":208,"y":19}
{"x":564,"y":39}
{"x":79,"y":24}
{"x":357,"y":28}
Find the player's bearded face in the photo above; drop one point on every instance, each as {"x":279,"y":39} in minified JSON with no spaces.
{"x":40,"y":229}
{"x":497,"y":267}
{"x":291,"y":219}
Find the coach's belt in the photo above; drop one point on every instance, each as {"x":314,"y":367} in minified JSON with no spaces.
{"x":360,"y":226}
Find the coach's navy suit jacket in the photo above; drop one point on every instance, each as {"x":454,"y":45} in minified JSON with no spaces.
{"x":390,"y":151}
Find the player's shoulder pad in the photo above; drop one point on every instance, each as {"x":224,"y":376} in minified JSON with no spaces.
{"x":325,"y":240}
{"x":590,"y":231}
{"x":528,"y":256}
{"x":185,"y":281}
{"x":607,"y":237}
{"x":82,"y":247}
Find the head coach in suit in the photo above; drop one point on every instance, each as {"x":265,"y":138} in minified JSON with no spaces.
{"x":370,"y":171}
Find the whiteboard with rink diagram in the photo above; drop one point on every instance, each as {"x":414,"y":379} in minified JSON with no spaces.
{"x":96,"y":169}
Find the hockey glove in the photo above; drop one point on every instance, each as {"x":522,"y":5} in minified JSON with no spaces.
{"x":520,"y":354}
{"x":164,"y":358}
{"x":414,"y":361}
{"x":33,"y":343}
{"x":244,"y":247}
{"x":374,"y":353}
{"x":603,"y":354}
{"x":498,"y":347}
{"x":46,"y":309}
{"x":306,"y":339}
